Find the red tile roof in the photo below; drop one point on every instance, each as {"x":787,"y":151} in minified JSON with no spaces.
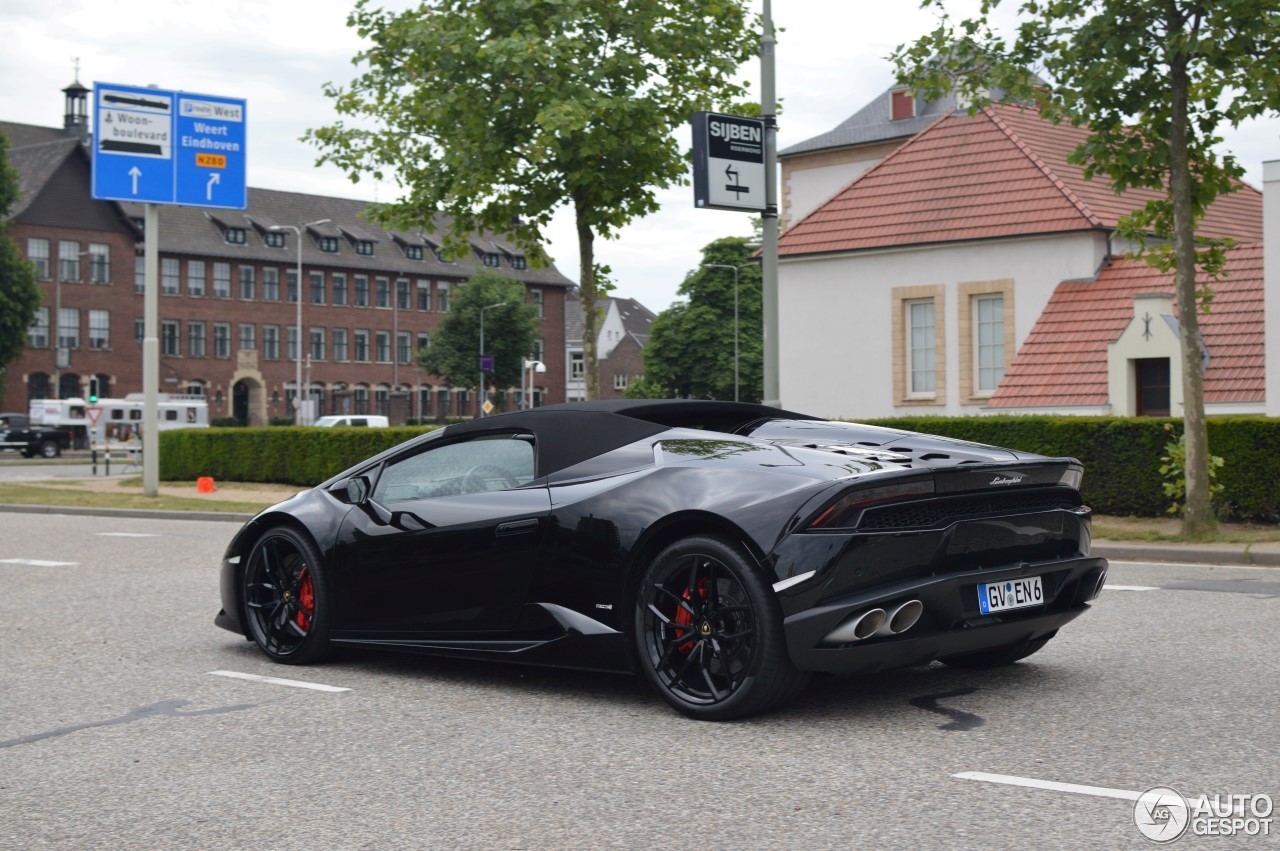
{"x":1002,"y":172}
{"x":1063,"y":361}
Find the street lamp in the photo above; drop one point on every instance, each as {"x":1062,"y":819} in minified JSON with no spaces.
{"x":735,"y":316}
{"x":297,"y":399}
{"x":483,"y":395}
{"x":529,"y":367}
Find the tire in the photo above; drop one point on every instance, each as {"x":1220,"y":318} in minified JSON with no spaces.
{"x":49,"y":449}
{"x":998,"y":657}
{"x":708,"y":633}
{"x":287,"y":604}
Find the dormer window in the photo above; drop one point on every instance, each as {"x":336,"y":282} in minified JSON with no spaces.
{"x":442,"y":257}
{"x":328,"y":244}
{"x":234,"y":236}
{"x":518,"y":262}
{"x":364,"y":247}
{"x":413,"y":252}
{"x":490,"y":259}
{"x":902,"y":105}
{"x":273,"y":240}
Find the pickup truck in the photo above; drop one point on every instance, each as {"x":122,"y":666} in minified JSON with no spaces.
{"x":17,"y":433}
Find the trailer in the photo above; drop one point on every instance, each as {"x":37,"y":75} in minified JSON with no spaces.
{"x":117,"y":422}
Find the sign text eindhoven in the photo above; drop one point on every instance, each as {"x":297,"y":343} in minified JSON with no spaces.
{"x":728,"y":162}
{"x":166,"y":147}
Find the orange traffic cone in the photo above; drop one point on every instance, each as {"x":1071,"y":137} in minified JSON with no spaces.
{"x":204,"y":484}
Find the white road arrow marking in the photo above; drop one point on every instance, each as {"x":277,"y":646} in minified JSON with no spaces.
{"x":208,"y":190}
{"x":135,"y":173}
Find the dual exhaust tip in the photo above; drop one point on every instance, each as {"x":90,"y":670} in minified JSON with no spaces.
{"x":877,"y":622}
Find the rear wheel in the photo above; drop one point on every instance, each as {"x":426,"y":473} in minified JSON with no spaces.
{"x":708,"y":633}
{"x":286,"y":598}
{"x":998,"y":657}
{"x":49,"y":449}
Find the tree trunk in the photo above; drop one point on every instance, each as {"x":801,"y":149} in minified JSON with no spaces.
{"x":1197,"y":518}
{"x":587,"y":293}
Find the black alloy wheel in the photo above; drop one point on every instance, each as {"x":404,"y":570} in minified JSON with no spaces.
{"x":286,"y":599}
{"x":709,"y":632}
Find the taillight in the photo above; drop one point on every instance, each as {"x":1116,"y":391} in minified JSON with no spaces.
{"x":844,"y":511}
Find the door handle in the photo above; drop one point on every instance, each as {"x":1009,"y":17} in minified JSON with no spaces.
{"x":517,"y":527}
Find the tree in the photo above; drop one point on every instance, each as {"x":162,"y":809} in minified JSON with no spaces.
{"x":509,"y":332}
{"x":498,"y":112}
{"x":19,"y":294}
{"x":690,"y":352}
{"x":1153,"y":80}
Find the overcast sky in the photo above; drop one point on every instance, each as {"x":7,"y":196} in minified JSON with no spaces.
{"x":278,"y":55}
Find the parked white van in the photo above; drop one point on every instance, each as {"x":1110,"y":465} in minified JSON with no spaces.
{"x":358,"y":420}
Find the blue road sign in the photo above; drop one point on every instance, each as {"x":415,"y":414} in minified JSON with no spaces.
{"x":166,"y":147}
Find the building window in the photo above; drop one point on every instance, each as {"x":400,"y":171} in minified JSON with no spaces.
{"x":38,"y":330}
{"x":361,"y":341}
{"x":270,"y":283}
{"x":989,"y":341}
{"x":271,"y":342}
{"x":424,"y":295}
{"x":340,"y":344}
{"x":424,"y":400}
{"x":536,"y":296}
{"x":222,"y":280}
{"x":442,"y":297}
{"x":382,"y":292}
{"x":413,"y":252}
{"x":248,"y":337}
{"x":195,"y":387}
{"x":291,"y":286}
{"x":383,"y":339}
{"x":139,"y":330}
{"x":328,"y":244}
{"x":247,"y":283}
{"x":195,"y":278}
{"x":443,"y":397}
{"x":382,"y":399}
{"x":362,"y":291}
{"x":69,"y":328}
{"x":402,"y":294}
{"x":291,"y":342}
{"x":903,"y":105}
{"x":38,"y":254}
{"x":170,"y":345}
{"x":1153,"y":387}
{"x":490,"y":259}
{"x":222,"y":339}
{"x":99,"y":263}
{"x":361,"y":399}
{"x":619,"y":382}
{"x":234,"y":236}
{"x":403,"y":346}
{"x":985,"y":325}
{"x":424,"y":342}
{"x":68,"y":260}
{"x":317,"y":287}
{"x":921,"y":349}
{"x":518,"y":262}
{"x":170,"y":275}
{"x":537,"y":350}
{"x":317,"y":344}
{"x":339,"y":288}
{"x":273,"y":239}
{"x":443,"y":256}
{"x":364,"y":247}
{"x":99,"y":329}
{"x":195,"y":340}
{"x":577,"y":366}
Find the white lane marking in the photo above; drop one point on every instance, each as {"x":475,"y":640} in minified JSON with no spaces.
{"x":35,"y":562}
{"x":1177,"y":565}
{"x":1109,"y":587}
{"x":128,"y":535}
{"x":1072,"y":788}
{"x":277,"y":681}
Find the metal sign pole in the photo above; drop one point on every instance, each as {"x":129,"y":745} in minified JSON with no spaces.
{"x":769,"y":253}
{"x":151,"y":352}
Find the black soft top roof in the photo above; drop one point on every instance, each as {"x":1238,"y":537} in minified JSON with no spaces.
{"x":573,"y":432}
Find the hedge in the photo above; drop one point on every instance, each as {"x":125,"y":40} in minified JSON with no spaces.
{"x":287,"y":455}
{"x":1121,"y":456}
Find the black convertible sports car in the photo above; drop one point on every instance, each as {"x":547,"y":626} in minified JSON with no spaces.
{"x":724,"y":550}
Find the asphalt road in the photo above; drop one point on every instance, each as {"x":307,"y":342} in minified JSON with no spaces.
{"x":14,"y":470}
{"x":114,"y":733}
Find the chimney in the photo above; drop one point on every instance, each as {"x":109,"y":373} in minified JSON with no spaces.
{"x":1271,"y":281}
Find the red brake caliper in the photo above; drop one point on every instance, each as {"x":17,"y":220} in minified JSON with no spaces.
{"x":306,"y":600}
{"x":684,"y":617}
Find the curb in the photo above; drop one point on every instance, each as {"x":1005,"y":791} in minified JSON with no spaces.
{"x":1203,"y":554}
{"x":138,"y":513}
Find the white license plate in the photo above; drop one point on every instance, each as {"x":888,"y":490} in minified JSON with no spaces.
{"x":1010,"y":594}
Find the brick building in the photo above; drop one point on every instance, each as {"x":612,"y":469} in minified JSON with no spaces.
{"x":371,"y":297}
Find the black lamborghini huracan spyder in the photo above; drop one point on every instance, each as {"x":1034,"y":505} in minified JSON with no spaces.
{"x":724,"y":550}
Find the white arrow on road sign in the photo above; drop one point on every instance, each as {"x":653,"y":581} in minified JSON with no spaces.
{"x":208,"y":190}
{"x":135,"y":173}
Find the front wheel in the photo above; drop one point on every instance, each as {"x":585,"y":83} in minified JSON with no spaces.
{"x":708,"y":633}
{"x":49,"y":449}
{"x":286,"y":598}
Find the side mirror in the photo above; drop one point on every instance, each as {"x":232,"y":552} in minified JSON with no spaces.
{"x":357,"y":489}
